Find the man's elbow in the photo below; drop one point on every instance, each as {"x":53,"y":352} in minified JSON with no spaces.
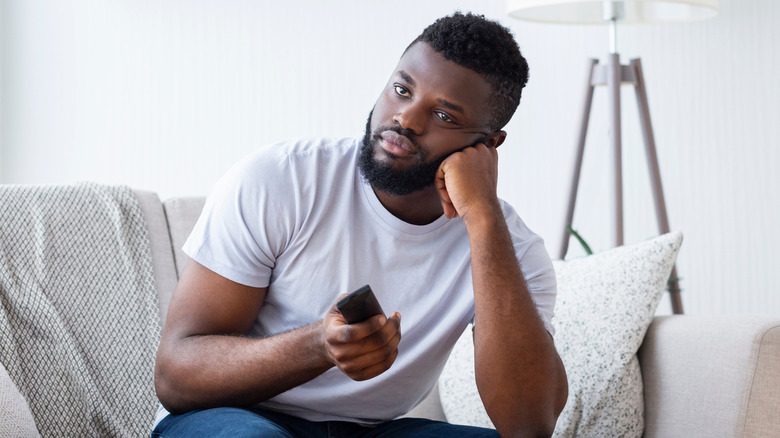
{"x":538,"y":425}
{"x":561,"y":395}
{"x":166,"y":394}
{"x":559,"y":398}
{"x":170,"y":393}
{"x":526,"y":431}
{"x":533,"y":419}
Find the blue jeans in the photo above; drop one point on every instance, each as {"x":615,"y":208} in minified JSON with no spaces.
{"x":240,"y":423}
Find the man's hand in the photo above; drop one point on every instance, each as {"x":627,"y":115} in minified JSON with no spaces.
{"x":467,"y":180}
{"x":363,"y":350}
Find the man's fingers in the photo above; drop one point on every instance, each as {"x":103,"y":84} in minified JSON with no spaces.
{"x":380,"y":359}
{"x":449,"y":209}
{"x":371,"y":344}
{"x":376,"y":369}
{"x":441,"y":186}
{"x":345,"y":333}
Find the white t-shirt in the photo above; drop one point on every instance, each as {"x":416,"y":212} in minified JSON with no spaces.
{"x":299,"y":219}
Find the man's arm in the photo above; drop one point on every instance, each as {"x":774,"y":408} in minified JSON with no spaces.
{"x":519,"y":374}
{"x":205,"y":359}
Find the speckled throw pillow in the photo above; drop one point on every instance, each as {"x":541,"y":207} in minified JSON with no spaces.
{"x":605,"y":304}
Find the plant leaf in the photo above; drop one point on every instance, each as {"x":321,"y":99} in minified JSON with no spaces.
{"x":579,"y":238}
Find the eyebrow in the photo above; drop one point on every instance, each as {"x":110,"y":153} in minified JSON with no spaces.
{"x":405,"y":76}
{"x":443,"y":102}
{"x":449,"y":105}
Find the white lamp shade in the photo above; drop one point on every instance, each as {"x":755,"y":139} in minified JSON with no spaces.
{"x":590,"y":11}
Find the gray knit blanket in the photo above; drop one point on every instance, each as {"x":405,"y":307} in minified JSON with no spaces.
{"x":79,"y":325}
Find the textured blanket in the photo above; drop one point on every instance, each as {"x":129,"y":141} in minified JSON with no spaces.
{"x":78,"y":316}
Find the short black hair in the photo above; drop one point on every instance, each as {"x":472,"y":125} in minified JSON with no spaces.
{"x":488,"y":48}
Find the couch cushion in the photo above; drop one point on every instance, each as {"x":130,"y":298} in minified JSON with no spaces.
{"x":605,"y":304}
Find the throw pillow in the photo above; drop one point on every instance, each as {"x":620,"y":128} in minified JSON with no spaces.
{"x":605,"y":304}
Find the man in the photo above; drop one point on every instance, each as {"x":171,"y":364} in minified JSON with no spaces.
{"x":254,"y":345}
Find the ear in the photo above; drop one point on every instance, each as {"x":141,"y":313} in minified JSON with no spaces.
{"x":495,"y":139}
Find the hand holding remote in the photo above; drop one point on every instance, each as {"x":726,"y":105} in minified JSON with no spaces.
{"x":357,"y":341}
{"x":359,"y":305}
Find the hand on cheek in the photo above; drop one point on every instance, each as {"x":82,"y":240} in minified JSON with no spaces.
{"x":467,"y":180}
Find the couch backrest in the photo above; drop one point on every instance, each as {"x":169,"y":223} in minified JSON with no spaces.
{"x":162,"y":257}
{"x":169,"y":225}
{"x":182,"y":213}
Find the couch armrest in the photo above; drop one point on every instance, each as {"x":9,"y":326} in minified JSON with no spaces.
{"x":712,"y":376}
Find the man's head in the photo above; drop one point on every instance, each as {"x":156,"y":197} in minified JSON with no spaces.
{"x":456,"y":85}
{"x":487,"y":48}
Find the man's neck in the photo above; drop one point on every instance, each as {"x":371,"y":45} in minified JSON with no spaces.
{"x":417,"y":208}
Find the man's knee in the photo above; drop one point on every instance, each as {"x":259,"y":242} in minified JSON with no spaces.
{"x":219,"y":422}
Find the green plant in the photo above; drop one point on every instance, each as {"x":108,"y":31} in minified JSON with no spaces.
{"x":579,"y":238}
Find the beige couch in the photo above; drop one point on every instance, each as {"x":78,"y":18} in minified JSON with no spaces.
{"x":703,"y":376}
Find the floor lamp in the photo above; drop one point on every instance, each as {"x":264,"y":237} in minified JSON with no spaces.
{"x":613,"y":74}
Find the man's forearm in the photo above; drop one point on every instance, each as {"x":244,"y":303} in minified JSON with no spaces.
{"x":519,"y":374}
{"x":208,"y":371}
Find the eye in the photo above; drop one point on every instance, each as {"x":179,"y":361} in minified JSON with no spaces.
{"x":402,"y":91}
{"x":444,"y":117}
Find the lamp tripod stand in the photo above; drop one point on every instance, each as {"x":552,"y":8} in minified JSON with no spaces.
{"x":613,"y":74}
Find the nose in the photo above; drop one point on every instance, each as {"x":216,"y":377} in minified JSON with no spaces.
{"x":410,"y":117}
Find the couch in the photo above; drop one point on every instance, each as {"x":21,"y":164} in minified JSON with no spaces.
{"x":703,"y":376}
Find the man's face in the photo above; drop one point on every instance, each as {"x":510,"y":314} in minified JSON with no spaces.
{"x":430,"y":109}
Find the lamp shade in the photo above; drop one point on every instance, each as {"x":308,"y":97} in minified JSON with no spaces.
{"x":591,"y":12}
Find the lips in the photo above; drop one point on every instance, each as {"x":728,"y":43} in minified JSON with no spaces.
{"x":397,"y":144}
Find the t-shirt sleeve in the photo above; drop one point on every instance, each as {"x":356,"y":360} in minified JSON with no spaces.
{"x":244,"y":225}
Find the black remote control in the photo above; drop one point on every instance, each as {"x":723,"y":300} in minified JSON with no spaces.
{"x":359,"y":305}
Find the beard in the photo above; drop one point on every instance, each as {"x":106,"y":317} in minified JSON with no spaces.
{"x":382,"y":176}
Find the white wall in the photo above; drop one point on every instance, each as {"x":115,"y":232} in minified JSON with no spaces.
{"x":166,"y":95}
